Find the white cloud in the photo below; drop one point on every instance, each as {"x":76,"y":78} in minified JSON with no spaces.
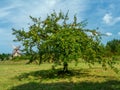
{"x":118,"y":33}
{"x":4,"y":11}
{"x":5,"y":35}
{"x":117,"y":19}
{"x":18,"y":11}
{"x":50,"y":3}
{"x":110,"y":20}
{"x":107,"y":18}
{"x":109,"y":34}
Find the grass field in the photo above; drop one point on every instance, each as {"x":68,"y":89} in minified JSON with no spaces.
{"x":19,"y":76}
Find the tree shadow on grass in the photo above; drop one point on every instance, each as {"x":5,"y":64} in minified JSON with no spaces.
{"x":58,"y":74}
{"x":52,"y":74}
{"x":109,"y":85}
{"x":70,"y":85}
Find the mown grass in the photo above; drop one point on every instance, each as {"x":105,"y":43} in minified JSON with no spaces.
{"x":19,"y":76}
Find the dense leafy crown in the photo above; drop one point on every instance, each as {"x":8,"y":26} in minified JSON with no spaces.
{"x":58,"y":40}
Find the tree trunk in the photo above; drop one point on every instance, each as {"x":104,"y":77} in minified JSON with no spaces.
{"x":40,"y":59}
{"x":65,"y":66}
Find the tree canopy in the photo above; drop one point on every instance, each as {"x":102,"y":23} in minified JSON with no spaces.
{"x":113,"y":47}
{"x":58,"y":40}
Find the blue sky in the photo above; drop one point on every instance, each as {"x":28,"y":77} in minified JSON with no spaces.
{"x":104,"y":14}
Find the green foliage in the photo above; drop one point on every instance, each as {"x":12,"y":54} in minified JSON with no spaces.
{"x":22,"y":57}
{"x":4,"y":56}
{"x":113,"y":47}
{"x":56,"y":39}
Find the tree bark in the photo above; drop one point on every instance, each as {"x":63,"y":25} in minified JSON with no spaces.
{"x":40,"y":59}
{"x":65,"y":66}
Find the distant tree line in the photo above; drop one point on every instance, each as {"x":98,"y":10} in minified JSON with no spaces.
{"x":4,"y":56}
{"x":112,"y":48}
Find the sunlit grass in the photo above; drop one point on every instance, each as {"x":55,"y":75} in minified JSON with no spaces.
{"x":20,"y":76}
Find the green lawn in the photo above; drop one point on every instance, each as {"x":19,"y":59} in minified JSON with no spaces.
{"x":19,"y":76}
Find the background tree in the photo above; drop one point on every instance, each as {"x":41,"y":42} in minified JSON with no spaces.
{"x":4,"y":56}
{"x":113,"y":47}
